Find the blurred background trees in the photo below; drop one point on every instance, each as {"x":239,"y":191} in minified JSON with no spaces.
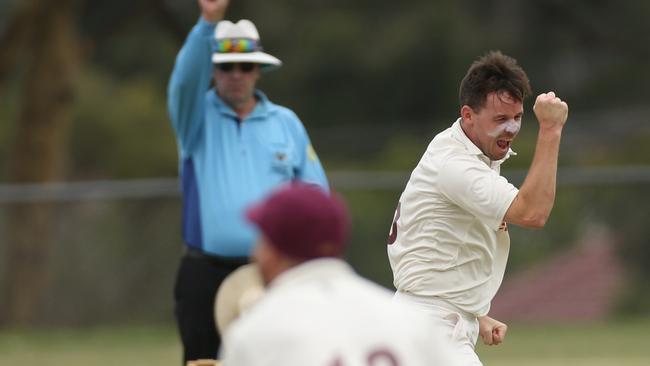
{"x":82,"y":97}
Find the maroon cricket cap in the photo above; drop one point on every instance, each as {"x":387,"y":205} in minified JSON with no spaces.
{"x":303,"y":221}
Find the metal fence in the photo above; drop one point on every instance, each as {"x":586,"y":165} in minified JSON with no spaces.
{"x":114,"y":245}
{"x":343,"y":180}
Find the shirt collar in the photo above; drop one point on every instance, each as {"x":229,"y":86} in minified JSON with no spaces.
{"x":260,"y":111}
{"x":459,"y":134}
{"x":314,"y":269}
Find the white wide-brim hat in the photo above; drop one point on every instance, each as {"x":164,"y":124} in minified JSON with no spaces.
{"x":237,"y":293}
{"x":240,"y":42}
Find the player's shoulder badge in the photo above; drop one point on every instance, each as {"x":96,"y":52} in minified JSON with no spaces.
{"x":311,"y":153}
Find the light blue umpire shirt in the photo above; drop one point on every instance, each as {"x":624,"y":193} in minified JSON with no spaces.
{"x":227,"y":164}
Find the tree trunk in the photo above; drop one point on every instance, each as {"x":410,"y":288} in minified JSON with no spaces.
{"x":38,"y":153}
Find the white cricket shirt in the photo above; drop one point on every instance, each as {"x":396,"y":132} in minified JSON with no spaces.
{"x":449,"y":241}
{"x":322,"y":313}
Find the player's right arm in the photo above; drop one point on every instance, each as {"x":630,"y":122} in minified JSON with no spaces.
{"x":492,"y":331}
{"x":532,"y":205}
{"x":192,"y":73}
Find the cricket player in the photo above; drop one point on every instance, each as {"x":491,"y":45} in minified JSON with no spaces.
{"x":448,"y":244}
{"x":316,"y":310}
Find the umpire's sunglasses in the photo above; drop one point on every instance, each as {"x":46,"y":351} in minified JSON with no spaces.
{"x":242,"y":66}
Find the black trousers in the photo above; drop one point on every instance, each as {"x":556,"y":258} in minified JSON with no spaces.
{"x":198,"y":279}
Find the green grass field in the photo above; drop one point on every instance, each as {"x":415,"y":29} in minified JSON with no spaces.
{"x":619,"y":344}
{"x":123,"y":346}
{"x":616,"y":344}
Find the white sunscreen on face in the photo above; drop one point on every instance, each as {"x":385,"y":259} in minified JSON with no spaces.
{"x":510,"y":126}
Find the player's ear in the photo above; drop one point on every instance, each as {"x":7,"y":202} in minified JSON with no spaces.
{"x":466,"y":113}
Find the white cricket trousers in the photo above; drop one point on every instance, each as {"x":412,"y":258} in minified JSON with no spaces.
{"x":459,"y":327}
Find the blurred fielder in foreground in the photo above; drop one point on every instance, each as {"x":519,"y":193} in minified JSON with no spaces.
{"x":448,"y":244}
{"x":235,"y":146}
{"x":316,"y":310}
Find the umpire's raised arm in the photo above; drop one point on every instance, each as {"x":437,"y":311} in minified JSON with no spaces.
{"x":192,"y":73}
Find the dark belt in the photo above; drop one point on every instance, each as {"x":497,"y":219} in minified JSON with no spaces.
{"x":216,"y":259}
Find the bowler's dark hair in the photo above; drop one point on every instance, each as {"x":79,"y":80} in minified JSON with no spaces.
{"x":494,"y":72}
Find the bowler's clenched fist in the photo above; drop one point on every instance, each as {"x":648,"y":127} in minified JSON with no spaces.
{"x":492,"y":331}
{"x":550,"y":110}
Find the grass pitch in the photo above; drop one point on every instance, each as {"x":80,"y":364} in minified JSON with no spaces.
{"x":620,"y":343}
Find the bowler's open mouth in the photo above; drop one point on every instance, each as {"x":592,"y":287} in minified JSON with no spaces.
{"x":504,"y":144}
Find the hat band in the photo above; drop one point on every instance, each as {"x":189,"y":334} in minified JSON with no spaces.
{"x":237,"y":45}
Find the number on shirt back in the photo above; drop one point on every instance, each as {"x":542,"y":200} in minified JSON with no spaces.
{"x":378,"y":357}
{"x":392,"y":235}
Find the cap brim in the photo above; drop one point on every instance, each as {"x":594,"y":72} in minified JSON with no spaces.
{"x":236,"y":294}
{"x":266,"y":61}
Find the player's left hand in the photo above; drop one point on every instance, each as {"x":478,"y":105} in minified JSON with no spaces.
{"x":492,"y":331}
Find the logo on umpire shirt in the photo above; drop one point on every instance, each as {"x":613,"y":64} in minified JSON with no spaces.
{"x":311,"y":153}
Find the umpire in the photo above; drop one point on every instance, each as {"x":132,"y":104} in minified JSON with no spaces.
{"x":235,"y":146}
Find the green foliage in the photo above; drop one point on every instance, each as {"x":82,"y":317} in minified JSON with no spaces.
{"x":362,"y":63}
{"x":138,"y":50}
{"x":121,"y":130}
